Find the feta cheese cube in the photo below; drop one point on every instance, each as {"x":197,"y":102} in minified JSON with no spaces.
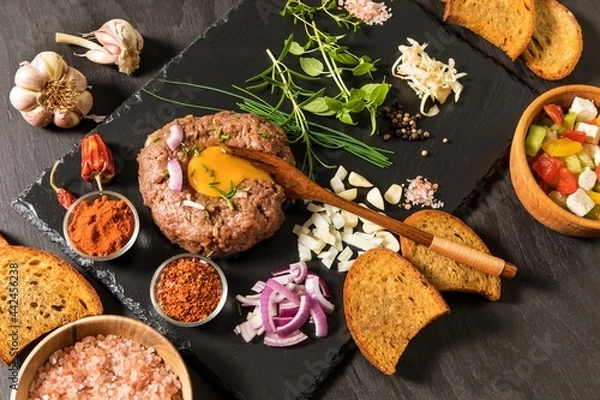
{"x":580,"y":203}
{"x":587,"y":179}
{"x":592,"y":132}
{"x":584,"y":108}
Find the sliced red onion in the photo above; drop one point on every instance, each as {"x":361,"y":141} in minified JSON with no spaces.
{"x":288,"y":309}
{"x":279,"y":288}
{"x":299,"y":319}
{"x":266,"y":308}
{"x":175,"y":136}
{"x":319,"y":318}
{"x":283,"y":304}
{"x":281,"y":321}
{"x":175,"y":175}
{"x":324,"y":286}
{"x":249,"y":300}
{"x":313,"y":288}
{"x":258,"y":287}
{"x":299,"y":271}
{"x":276,"y":341}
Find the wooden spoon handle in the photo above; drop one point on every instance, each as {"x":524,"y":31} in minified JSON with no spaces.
{"x":457,"y":251}
{"x":479,"y":260}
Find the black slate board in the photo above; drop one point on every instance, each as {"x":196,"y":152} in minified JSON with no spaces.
{"x":479,"y":128}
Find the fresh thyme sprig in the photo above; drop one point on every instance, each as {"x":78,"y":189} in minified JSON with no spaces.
{"x":316,"y":135}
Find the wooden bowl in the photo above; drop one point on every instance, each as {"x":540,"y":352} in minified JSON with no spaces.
{"x":533,"y":198}
{"x":73,"y":332}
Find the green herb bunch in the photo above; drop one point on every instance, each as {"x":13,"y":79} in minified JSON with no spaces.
{"x":322,"y":57}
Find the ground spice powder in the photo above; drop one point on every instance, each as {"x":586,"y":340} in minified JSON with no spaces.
{"x":188,"y":289}
{"x":102,"y":226}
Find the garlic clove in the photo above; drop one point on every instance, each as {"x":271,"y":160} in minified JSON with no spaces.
{"x":23,"y":99}
{"x":28,"y":77}
{"x":66,"y":119}
{"x":38,"y":117}
{"x":76,"y":78}
{"x":84,"y":102}
{"x":50,"y":64}
{"x":100,"y":56}
{"x":121,"y":44}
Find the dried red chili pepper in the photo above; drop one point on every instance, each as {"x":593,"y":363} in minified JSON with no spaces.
{"x":64,"y":197}
{"x":96,"y":160}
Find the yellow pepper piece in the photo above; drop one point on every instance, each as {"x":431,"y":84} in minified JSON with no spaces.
{"x":561,"y":147}
{"x":595,"y":196}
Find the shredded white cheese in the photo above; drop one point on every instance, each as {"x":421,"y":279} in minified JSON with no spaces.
{"x":428,"y":77}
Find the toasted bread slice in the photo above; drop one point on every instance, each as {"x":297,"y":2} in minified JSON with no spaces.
{"x":38,"y":293}
{"x":508,"y":24}
{"x":387,"y":302}
{"x":557,"y":42}
{"x":446,"y":274}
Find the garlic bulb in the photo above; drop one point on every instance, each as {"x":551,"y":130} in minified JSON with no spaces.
{"x":48,"y":90}
{"x":121,"y":44}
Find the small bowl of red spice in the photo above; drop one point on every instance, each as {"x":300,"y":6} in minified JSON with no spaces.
{"x":188,"y":290}
{"x":101,"y":225}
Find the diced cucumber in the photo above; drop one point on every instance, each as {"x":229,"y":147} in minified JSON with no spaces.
{"x":594,"y":213}
{"x":556,"y":128}
{"x":573,"y":164}
{"x":586,"y":160}
{"x":569,"y":120}
{"x":558,"y":198}
{"x":534,"y":139}
{"x":596,"y":187}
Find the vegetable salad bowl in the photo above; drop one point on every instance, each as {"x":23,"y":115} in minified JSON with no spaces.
{"x":531,"y":195}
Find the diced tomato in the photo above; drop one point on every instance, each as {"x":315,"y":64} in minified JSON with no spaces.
{"x":576,"y":136}
{"x":567,"y":181}
{"x":597,"y":170}
{"x":547,"y":168}
{"x":555,"y":113}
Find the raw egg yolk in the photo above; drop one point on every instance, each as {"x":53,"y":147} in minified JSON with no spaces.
{"x":214,"y":172}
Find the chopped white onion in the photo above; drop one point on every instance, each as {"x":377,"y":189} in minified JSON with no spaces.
{"x":336,"y":185}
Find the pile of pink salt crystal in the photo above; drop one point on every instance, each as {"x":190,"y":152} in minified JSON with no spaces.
{"x":106,"y":367}
{"x":421,"y":192}
{"x":368,"y":11}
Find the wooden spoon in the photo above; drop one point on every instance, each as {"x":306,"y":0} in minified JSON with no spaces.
{"x":298,"y":185}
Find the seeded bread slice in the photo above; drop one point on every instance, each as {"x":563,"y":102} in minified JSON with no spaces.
{"x":557,"y":42}
{"x":446,"y":274}
{"x":386,"y":303}
{"x":508,"y":24}
{"x":38,"y":293}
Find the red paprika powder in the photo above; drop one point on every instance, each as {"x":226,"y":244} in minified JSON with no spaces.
{"x":102,"y":226}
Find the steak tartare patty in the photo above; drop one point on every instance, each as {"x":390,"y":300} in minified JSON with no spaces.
{"x":213,"y":225}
